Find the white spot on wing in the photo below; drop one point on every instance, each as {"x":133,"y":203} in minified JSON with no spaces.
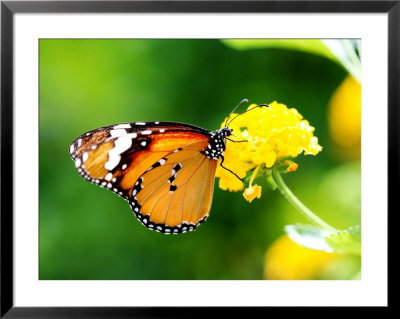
{"x":85,"y":156}
{"x":122,"y":126}
{"x":132,"y":135}
{"x":117,"y":133}
{"x":121,"y":144}
{"x":140,"y":123}
{"x":108,"y":177}
{"x":112,"y":162}
{"x":147,"y":132}
{"x":77,"y":162}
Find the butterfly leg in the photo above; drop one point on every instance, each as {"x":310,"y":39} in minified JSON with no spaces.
{"x":236,"y":141}
{"x":223,"y":158}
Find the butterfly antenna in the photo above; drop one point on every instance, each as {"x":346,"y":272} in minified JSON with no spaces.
{"x":240,"y":103}
{"x":260,"y":105}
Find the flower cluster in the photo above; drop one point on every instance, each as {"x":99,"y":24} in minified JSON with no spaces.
{"x":273,"y":133}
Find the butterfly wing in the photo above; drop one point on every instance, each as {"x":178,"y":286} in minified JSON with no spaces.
{"x":159,"y":167}
{"x":174,"y":195}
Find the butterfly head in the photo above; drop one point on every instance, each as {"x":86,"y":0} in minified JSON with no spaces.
{"x":225,"y":131}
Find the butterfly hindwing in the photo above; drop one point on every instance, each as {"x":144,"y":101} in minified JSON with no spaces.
{"x":174,"y":195}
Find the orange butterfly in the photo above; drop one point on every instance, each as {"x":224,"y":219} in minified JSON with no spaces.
{"x":165,"y":170}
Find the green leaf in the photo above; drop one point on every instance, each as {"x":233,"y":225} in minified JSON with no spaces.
{"x":346,"y":241}
{"x":309,"y":236}
{"x":313,"y":237}
{"x":314,"y":46}
{"x":339,"y":51}
{"x":344,"y":50}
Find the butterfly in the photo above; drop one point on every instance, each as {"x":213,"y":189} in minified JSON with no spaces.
{"x":165,"y":170}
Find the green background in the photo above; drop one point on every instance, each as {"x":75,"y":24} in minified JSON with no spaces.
{"x":90,"y":233}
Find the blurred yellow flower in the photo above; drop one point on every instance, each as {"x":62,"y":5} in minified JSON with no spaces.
{"x":345,"y":117}
{"x":286,"y":260}
{"x":272,"y":133}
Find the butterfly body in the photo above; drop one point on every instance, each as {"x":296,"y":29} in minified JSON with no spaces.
{"x":165,"y":170}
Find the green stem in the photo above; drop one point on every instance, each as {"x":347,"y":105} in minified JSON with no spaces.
{"x":287,"y":193}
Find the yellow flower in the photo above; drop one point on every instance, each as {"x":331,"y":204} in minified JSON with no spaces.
{"x":345,"y":117}
{"x":272,"y":133}
{"x":286,"y":260}
{"x":252,"y":192}
{"x":292,"y":167}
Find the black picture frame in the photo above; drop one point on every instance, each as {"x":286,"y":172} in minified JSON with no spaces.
{"x":9,"y":8}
